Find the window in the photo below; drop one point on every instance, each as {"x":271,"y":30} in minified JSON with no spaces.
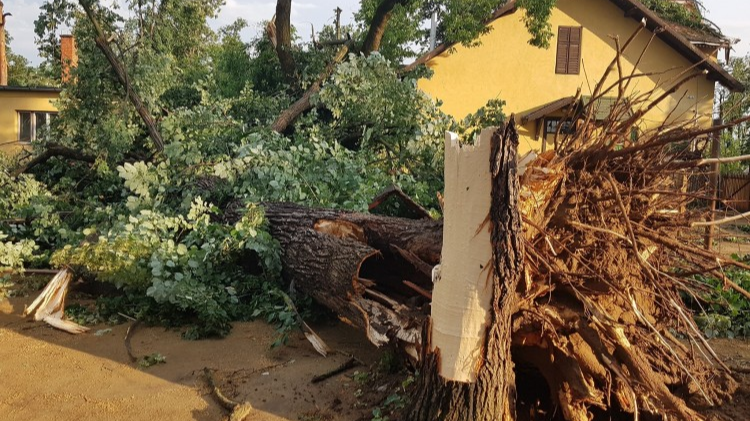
{"x":550,"y":126}
{"x":569,"y":50}
{"x":33,"y":124}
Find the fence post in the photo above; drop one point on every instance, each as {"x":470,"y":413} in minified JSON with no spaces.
{"x":713,"y":183}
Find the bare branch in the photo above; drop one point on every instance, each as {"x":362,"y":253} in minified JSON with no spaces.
{"x":51,"y":152}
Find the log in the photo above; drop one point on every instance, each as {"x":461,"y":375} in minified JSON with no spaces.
{"x":350,"y":263}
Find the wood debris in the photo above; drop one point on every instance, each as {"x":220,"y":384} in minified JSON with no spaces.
{"x":49,"y":306}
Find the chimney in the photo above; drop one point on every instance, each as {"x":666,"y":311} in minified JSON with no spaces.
{"x":68,"y":56}
{"x":3,"y":57}
{"x":433,"y":31}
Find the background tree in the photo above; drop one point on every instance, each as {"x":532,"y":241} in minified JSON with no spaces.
{"x":22,"y":73}
{"x":732,"y":106}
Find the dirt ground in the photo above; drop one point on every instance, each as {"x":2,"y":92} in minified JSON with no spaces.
{"x":48,"y":373}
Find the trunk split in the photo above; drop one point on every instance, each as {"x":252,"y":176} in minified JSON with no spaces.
{"x":481,"y":205}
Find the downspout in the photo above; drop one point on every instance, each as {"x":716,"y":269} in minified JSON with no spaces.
{"x":433,"y":31}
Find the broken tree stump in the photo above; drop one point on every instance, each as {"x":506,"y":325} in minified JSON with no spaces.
{"x":467,"y":372}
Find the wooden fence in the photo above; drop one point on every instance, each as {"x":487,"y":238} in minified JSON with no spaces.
{"x":734,"y":189}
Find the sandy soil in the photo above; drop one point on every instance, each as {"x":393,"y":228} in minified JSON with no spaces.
{"x":45,"y":372}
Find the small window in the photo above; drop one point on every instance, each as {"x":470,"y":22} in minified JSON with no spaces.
{"x":552,"y":123}
{"x":33,"y":124}
{"x":569,"y":50}
{"x":25,"y":127}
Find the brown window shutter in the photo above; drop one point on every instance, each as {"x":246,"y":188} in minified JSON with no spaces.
{"x":574,"y":51}
{"x":563,"y":46}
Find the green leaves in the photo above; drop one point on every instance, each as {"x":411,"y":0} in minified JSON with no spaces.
{"x":679,"y":13}
{"x":725,"y":312}
{"x":536,"y":20}
{"x":140,"y":178}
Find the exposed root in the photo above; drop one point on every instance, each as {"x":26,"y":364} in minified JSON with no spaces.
{"x":608,"y":258}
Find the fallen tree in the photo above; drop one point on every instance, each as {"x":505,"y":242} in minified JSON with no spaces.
{"x":594,"y":309}
{"x":578,"y":283}
{"x":582,"y":271}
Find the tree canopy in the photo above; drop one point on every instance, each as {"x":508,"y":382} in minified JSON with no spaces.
{"x":328,"y":123}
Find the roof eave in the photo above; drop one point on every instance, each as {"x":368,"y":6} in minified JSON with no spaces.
{"x":49,"y":89}
{"x":636,"y":10}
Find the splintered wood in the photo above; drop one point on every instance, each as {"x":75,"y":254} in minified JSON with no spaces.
{"x":463,"y":287}
{"x":49,"y":306}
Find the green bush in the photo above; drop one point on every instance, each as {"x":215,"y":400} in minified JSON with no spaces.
{"x":724,"y":312}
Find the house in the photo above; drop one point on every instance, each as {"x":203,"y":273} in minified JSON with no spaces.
{"x":25,"y":112}
{"x":540,"y":85}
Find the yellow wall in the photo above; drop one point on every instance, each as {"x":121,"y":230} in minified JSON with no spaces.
{"x":506,"y":67}
{"x":13,"y":101}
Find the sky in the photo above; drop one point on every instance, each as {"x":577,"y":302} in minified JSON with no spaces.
{"x":732,"y":16}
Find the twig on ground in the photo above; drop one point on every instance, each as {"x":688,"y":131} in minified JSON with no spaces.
{"x":348,"y":365}
{"x":128,"y":336}
{"x":238,"y":411}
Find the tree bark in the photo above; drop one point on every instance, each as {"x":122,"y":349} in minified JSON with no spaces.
{"x":492,"y":396}
{"x":119,"y":69}
{"x":51,"y":152}
{"x":379,"y":24}
{"x":284,"y":41}
{"x":288,"y":116}
{"x":350,"y":263}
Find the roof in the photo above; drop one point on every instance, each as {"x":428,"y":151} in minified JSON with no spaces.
{"x":30,"y":89}
{"x":665,"y":31}
{"x":699,"y":37}
{"x":634,"y":9}
{"x":547,"y":109}
{"x":602,"y":107}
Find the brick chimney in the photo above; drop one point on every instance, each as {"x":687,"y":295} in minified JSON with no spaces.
{"x":68,"y":56}
{"x":3,"y":57}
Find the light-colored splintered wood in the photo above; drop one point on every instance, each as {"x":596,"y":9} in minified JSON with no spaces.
{"x":49,"y":306}
{"x":463,"y":287}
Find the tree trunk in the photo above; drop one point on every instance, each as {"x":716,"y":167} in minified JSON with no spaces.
{"x":379,"y":24}
{"x":492,"y":396}
{"x":353,"y":264}
{"x":284,"y":41}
